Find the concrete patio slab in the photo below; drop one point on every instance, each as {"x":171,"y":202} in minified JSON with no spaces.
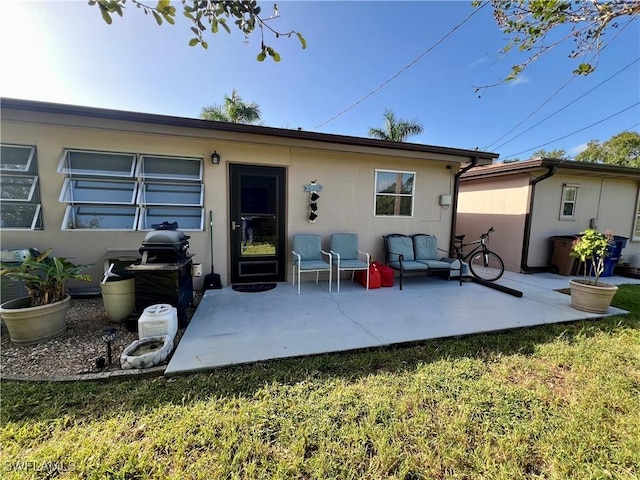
{"x":231,"y":327}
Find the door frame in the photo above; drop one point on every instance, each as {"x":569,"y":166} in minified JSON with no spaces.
{"x":236,"y":260}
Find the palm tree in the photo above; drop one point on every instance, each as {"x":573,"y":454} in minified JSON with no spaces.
{"x":396,"y":130}
{"x":234,"y":110}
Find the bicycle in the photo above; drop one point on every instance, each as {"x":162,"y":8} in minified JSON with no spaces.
{"x":483,"y":263}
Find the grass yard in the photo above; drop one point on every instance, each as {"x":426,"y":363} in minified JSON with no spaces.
{"x":550,"y":402}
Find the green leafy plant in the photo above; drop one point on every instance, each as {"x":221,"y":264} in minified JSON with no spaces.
{"x":45,"y":276}
{"x":208,"y":15}
{"x":592,"y":247}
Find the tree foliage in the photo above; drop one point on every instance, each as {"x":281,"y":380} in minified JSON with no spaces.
{"x":233,"y":110}
{"x":557,"y":154}
{"x":208,"y":15}
{"x":622,"y":149}
{"x":395,"y":130}
{"x":534,"y":26}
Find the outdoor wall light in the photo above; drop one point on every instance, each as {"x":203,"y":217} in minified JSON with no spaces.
{"x":215,"y":158}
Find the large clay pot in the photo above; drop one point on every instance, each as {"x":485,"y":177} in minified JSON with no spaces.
{"x":119,"y":298}
{"x":28,"y":324}
{"x":591,"y":298}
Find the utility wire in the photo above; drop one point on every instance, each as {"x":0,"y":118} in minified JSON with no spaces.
{"x":379,"y":87}
{"x":572,"y":133}
{"x":557,"y":91}
{"x":566,"y":106}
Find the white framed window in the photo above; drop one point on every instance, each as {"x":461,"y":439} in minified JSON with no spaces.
{"x":101,"y":164}
{"x":97,"y":217}
{"x":20,"y":206}
{"x":187,"y":194}
{"x":187,"y":218}
{"x":17,"y":159}
{"x":169,"y":168}
{"x":80,"y":190}
{"x":394,"y":193}
{"x":569,"y":202}
{"x":19,"y":189}
{"x":129,"y":191}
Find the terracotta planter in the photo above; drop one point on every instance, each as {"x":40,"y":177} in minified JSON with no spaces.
{"x":28,"y":324}
{"x":591,"y":298}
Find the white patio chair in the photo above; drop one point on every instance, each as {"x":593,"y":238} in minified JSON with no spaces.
{"x":346,"y":255}
{"x":307,"y":257}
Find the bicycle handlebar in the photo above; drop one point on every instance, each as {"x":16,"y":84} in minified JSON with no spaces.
{"x":460,"y":238}
{"x":490,"y":231}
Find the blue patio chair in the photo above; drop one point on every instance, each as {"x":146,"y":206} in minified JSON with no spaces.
{"x":345,"y":255}
{"x":307,"y":257}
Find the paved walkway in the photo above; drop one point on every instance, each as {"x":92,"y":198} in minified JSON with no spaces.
{"x":230,"y":327}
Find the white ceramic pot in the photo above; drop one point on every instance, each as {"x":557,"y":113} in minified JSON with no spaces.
{"x":591,"y":298}
{"x":119,"y":298}
{"x":27,"y":324}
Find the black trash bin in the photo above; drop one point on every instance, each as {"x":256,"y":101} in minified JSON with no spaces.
{"x":561,"y":259}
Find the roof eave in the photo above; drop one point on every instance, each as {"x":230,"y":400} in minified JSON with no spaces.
{"x":529,"y":165}
{"x":149,"y":118}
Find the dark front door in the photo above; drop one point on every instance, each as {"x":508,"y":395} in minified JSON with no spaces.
{"x":258,"y":238}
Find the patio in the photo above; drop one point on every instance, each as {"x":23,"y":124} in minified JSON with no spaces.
{"x":231,"y":327}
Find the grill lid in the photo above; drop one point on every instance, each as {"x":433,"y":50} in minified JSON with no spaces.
{"x":165,"y":237}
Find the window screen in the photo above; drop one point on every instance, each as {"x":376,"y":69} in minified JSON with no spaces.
{"x":20,"y":205}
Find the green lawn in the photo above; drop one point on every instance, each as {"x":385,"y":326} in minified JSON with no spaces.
{"x":552,"y":402}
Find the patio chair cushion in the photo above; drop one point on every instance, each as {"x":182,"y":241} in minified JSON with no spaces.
{"x":314,"y":265}
{"x":345,"y":244}
{"x":436,"y":264}
{"x":409,"y":266}
{"x":400,"y":246}
{"x":352,"y":264}
{"x":308,"y":246}
{"x":425,"y":247}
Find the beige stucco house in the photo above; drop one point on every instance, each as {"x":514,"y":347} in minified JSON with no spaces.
{"x":529,"y":202}
{"x":90,"y":183}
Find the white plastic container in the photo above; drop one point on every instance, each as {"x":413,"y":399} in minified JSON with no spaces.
{"x":196,"y":270}
{"x":157,"y":320}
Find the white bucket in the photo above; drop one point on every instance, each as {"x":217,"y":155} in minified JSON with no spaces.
{"x":196,"y":270}
{"x":157,"y":320}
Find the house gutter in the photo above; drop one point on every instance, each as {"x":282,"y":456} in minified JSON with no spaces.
{"x":524,"y":267}
{"x":456,"y":190}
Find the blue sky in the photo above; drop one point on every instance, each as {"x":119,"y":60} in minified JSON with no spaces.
{"x":62,"y":51}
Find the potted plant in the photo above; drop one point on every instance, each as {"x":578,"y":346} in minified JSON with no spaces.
{"x":43,"y":314}
{"x":589,"y":294}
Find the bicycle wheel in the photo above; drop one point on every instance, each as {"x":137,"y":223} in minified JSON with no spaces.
{"x":486,"y":266}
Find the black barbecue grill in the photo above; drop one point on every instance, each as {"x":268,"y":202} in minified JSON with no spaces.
{"x":164,"y":246}
{"x":164,"y":272}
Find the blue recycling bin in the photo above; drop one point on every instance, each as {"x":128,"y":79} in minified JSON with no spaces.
{"x":615,"y":250}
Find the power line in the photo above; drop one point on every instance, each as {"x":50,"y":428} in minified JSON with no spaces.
{"x":573,"y":133}
{"x":379,"y":87}
{"x":566,"y":106}
{"x":557,"y":91}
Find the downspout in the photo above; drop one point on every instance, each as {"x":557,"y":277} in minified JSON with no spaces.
{"x":524,"y":267}
{"x":456,"y":190}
